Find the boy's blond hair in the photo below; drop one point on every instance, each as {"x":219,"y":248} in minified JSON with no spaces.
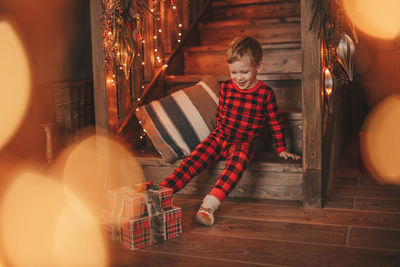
{"x":242,"y":46}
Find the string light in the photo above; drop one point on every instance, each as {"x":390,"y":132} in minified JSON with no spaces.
{"x":114,"y":42}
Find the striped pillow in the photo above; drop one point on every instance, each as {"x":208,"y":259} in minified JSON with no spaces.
{"x":177,"y":123}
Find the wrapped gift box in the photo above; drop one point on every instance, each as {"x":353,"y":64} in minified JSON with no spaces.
{"x":135,"y":233}
{"x":173,"y":222}
{"x":162,"y":196}
{"x":137,"y":220}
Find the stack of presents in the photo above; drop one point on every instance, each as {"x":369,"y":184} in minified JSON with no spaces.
{"x":141,"y":216}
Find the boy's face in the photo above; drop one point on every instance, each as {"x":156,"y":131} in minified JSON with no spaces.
{"x":243,"y":73}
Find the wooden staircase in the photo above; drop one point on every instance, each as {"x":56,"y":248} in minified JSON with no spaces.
{"x":276,"y":24}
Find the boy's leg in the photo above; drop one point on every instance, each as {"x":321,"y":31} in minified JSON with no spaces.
{"x":207,"y":152}
{"x":238,"y":158}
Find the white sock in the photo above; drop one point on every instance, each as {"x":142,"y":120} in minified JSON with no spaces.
{"x":211,"y":202}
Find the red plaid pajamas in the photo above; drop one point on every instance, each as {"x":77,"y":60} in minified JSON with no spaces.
{"x":240,"y":117}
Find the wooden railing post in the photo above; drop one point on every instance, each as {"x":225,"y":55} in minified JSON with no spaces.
{"x":314,"y":195}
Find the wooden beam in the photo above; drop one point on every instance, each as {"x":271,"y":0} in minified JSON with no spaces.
{"x":312,"y":110}
{"x":99,"y":74}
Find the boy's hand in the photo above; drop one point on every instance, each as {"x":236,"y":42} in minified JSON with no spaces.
{"x":287,"y":155}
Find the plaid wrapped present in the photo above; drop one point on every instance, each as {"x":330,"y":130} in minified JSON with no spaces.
{"x":173,"y":222}
{"x":161,"y":196}
{"x":135,"y":233}
{"x":134,"y":206}
{"x":137,"y":220}
{"x":107,"y":224}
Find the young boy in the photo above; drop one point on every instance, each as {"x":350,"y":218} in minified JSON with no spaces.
{"x":245,"y":106}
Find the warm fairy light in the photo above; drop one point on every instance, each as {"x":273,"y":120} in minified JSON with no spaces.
{"x":174,"y":7}
{"x":377,"y":18}
{"x":165,"y":66}
{"x":180,"y":25}
{"x":328,"y":82}
{"x":137,"y":109}
{"x":179,"y":40}
{"x":152,"y":10}
{"x":179,"y":34}
{"x":159,"y":30}
{"x":155,"y":50}
{"x":138,"y":99}
{"x":379,"y":141}
{"x":142,"y":63}
{"x":155,"y":37}
{"x":15,"y":82}
{"x":142,"y":86}
{"x":143,"y":41}
{"x":109,"y":33}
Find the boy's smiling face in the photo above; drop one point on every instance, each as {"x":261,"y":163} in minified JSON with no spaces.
{"x":243,"y":73}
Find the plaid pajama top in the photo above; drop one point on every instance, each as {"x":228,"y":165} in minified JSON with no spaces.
{"x":243,"y":113}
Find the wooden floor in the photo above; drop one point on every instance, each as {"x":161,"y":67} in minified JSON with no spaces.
{"x":359,"y":226}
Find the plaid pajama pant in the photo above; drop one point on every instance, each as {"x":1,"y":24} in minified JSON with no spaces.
{"x":212,"y":149}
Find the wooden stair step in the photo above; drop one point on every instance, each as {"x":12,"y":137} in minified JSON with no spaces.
{"x":228,"y":10}
{"x":275,"y":178}
{"x":287,"y":91}
{"x":222,"y":48}
{"x":281,"y":58}
{"x":193,"y":78}
{"x":265,"y":31}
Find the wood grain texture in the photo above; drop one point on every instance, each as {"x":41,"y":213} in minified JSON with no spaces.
{"x":312,"y":108}
{"x":377,"y":204}
{"x":212,"y":62}
{"x":99,"y":75}
{"x":267,"y":230}
{"x":314,"y":216}
{"x":265,"y":31}
{"x":375,"y":238}
{"x":258,"y":10}
{"x":273,"y":252}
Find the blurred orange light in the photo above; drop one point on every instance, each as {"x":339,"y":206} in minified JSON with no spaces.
{"x":15,"y":82}
{"x":98,"y":164}
{"x":39,"y":227}
{"x":377,"y":18}
{"x":380,"y":141}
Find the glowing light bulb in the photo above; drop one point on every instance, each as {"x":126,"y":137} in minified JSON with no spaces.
{"x":137,"y":109}
{"x":174,"y":7}
{"x":180,"y":25}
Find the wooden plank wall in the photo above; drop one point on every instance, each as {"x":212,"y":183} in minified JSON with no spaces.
{"x":312,"y":109}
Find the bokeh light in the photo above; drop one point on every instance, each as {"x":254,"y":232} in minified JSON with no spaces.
{"x":380,"y":141}
{"x":37,"y":223}
{"x":377,"y":18}
{"x":78,"y":238}
{"x":97,"y":164}
{"x":15,"y":82}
